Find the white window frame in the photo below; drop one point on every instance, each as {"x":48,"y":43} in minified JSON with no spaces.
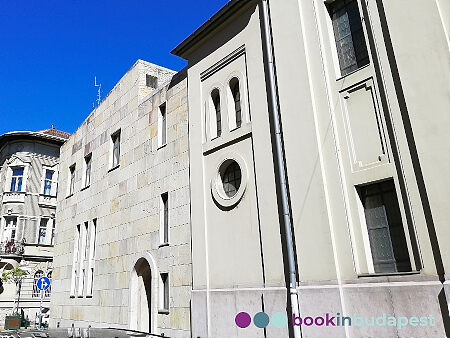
{"x":54,"y":180}
{"x":49,"y":181}
{"x":19,"y":178}
{"x":16,"y":163}
{"x":8,"y":230}
{"x":47,"y":221}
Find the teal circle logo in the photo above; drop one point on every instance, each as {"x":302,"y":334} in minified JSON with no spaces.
{"x":261,"y":320}
{"x":279,"y":320}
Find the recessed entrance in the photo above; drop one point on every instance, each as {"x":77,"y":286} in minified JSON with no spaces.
{"x":142,"y":291}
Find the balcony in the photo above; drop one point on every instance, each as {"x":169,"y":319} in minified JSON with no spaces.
{"x":12,"y":247}
{"x":47,"y":201}
{"x":13,"y":197}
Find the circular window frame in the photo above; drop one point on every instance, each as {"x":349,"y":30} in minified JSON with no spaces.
{"x":217,"y":190}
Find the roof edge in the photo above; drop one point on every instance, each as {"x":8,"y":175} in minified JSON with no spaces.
{"x":216,"y":20}
{"x":33,"y":134}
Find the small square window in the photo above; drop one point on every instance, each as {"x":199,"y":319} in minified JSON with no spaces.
{"x":151,"y":81}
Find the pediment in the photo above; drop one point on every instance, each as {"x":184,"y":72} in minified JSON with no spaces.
{"x":17,"y":160}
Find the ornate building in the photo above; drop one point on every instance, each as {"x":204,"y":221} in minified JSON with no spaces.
{"x":29,"y":167}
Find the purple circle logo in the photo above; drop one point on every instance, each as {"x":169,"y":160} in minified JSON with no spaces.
{"x":243,"y":320}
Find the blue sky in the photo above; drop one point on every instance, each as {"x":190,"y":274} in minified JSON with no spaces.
{"x":50,"y":52}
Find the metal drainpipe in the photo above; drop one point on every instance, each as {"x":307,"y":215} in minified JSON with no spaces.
{"x":280,"y":165}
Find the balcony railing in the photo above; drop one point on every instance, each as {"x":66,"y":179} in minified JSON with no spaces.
{"x":12,"y":247}
{"x":14,"y":197}
{"x":47,"y":200}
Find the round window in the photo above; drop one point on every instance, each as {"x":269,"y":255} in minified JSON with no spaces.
{"x":231,"y":179}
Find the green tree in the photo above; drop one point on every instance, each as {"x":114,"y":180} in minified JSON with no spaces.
{"x":15,"y":276}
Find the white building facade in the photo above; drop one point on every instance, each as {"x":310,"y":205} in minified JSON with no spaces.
{"x":361,"y":91}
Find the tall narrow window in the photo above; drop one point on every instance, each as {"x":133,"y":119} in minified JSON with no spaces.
{"x":9,"y":232}
{"x":87,"y":174}
{"x":349,"y":35}
{"x":116,"y":149}
{"x":90,"y":278}
{"x":73,"y":284}
{"x":36,"y":291}
{"x":48,"y":182}
{"x":16,"y":179}
{"x":164,"y":293}
{"x":162,"y":124}
{"x":385,"y":228}
{"x":215,"y":96}
{"x":234,"y":86}
{"x":164,"y":218}
{"x":72,"y":180}
{"x":42,"y":231}
{"x":82,"y":269}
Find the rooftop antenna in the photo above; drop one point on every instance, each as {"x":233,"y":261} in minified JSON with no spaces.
{"x":99,"y":90}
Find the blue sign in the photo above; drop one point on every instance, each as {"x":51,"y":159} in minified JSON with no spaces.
{"x":43,"y":283}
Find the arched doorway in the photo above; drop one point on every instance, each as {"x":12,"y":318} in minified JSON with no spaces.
{"x":143,"y":294}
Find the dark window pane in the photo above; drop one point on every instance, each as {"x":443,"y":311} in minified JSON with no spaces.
{"x":151,"y":81}
{"x":215,"y":95}
{"x":18,"y":172}
{"x":349,"y":35}
{"x":385,"y":227}
{"x":232,"y":179}
{"x":237,"y":102}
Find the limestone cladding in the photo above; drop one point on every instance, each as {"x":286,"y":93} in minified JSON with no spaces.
{"x":122,"y":203}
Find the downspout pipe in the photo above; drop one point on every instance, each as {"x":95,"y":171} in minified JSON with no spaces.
{"x":274,"y":111}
